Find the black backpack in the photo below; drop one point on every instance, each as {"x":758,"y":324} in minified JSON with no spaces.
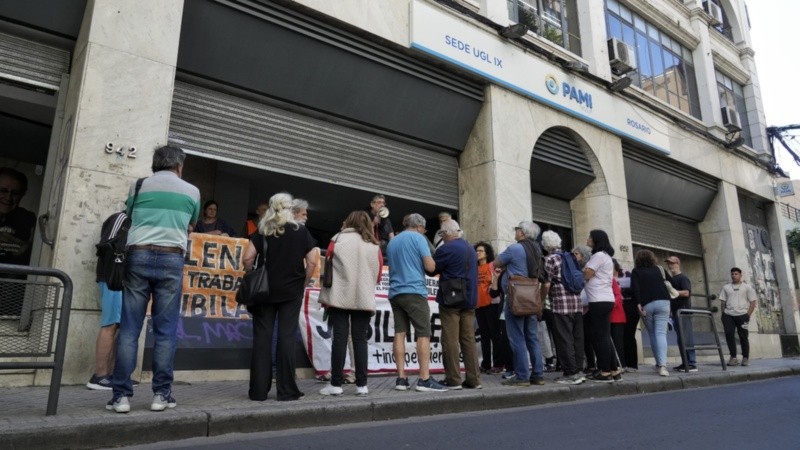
{"x":111,"y":250}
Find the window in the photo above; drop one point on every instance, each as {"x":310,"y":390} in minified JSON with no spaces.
{"x":554,"y":20}
{"x":666,"y":69}
{"x":731,"y":94}
{"x":725,"y":27}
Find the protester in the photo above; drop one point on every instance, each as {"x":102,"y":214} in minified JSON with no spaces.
{"x":115,"y":228}
{"x":567,"y":313}
{"x":487,"y":311}
{"x":382,"y":226}
{"x":251,"y":226}
{"x":350,"y":301}
{"x":161,"y":213}
{"x":505,"y":360}
{"x":582,"y":254}
{"x":632,"y":318}
{"x":290,"y":262}
{"x":599,"y":273}
{"x":523,"y":330}
{"x":650,"y":293}
{"x":437,"y":239}
{"x":740,"y":303}
{"x":409,"y":258}
{"x":212,"y":223}
{"x":456,"y":259}
{"x":617,"y":317}
{"x":300,"y":210}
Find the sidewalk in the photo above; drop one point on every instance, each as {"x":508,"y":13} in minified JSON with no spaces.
{"x":214,"y":408}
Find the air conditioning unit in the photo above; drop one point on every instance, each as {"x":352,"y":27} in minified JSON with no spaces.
{"x":713,"y":10}
{"x":731,"y":120}
{"x":621,"y":57}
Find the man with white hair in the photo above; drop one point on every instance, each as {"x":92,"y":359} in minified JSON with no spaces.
{"x":437,"y":240}
{"x":409,"y":258}
{"x":456,"y":260}
{"x":567,"y":313}
{"x":522,"y":330}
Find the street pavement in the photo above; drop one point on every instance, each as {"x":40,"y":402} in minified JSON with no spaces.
{"x":216,"y":408}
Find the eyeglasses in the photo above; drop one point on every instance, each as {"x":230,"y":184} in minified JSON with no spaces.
{"x":6,"y":191}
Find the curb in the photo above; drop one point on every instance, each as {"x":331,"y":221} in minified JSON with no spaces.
{"x":143,"y":427}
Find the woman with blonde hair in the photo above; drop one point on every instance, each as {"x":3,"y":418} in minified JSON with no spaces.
{"x":290,"y":260}
{"x":350,"y":301}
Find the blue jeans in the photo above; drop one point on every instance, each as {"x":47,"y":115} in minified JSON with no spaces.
{"x":524,"y":340}
{"x":160,"y":275}
{"x":688,"y":334}
{"x":655,"y":320}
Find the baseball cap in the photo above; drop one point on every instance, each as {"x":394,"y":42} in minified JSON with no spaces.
{"x":673,"y":259}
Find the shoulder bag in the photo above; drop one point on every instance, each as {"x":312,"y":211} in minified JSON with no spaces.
{"x":254,"y":288}
{"x":454,"y":290}
{"x":525,"y":293}
{"x":673,"y":293}
{"x":327,"y":273}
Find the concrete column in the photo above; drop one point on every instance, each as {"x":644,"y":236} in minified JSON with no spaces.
{"x":120,"y":91}
{"x":592,"y":20}
{"x":723,"y":238}
{"x":753,"y":102}
{"x":495,"y":10}
{"x":704,"y":71}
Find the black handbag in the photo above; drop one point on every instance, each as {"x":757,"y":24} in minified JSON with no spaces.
{"x":254,"y":288}
{"x":454,"y":290}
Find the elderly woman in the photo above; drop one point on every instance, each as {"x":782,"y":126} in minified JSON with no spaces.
{"x":567,"y":313}
{"x":487,"y":311}
{"x":650,"y":293}
{"x":456,"y":259}
{"x":522,"y":330}
{"x":599,"y":276}
{"x":290,"y":262}
{"x":350,"y":301}
{"x":211,"y":223}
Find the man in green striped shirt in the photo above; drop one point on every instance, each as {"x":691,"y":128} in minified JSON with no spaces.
{"x":162,"y":208}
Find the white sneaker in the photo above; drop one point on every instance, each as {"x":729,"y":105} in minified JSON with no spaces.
{"x":331,"y":390}
{"x":121,"y":405}
{"x":161,"y":402}
{"x":663,"y":371}
{"x":362,"y":390}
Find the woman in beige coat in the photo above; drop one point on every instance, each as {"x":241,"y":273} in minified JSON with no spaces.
{"x":350,"y":301}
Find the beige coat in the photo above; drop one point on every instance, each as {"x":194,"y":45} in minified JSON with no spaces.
{"x":355,"y":273}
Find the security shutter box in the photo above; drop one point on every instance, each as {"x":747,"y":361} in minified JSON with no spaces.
{"x":663,"y":232}
{"x":221,"y":126}
{"x":28,"y":62}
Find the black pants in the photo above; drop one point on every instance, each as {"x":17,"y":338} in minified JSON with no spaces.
{"x":356,"y":324}
{"x":630,"y":349}
{"x":568,"y":334}
{"x":618,"y":337}
{"x":601,"y":335}
{"x":261,"y":359}
{"x":488,"y":318}
{"x":506,"y":354}
{"x":590,"y":361}
{"x":736,"y":323}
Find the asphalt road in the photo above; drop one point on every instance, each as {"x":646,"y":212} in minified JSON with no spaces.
{"x":757,"y":415}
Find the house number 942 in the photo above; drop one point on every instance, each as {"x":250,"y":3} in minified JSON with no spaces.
{"x":121,"y":151}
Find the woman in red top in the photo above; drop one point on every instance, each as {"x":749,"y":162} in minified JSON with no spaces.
{"x":487,"y":312}
{"x":618,"y":314}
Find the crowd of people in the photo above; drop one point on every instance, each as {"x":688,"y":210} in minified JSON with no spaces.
{"x":591,"y":306}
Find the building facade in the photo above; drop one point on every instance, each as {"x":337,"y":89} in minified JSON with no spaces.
{"x":641,"y":118}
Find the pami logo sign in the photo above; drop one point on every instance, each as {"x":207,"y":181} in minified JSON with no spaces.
{"x":569,"y":91}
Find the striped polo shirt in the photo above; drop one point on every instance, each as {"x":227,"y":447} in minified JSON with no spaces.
{"x":165,"y":207}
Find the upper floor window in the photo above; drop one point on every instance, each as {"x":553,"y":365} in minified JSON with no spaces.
{"x":724,"y":26}
{"x":554,"y":20}
{"x":665,"y":67}
{"x":731,"y":95}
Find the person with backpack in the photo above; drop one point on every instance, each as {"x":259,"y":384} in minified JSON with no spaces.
{"x":560,"y":282}
{"x":110,"y":263}
{"x":523,"y":330}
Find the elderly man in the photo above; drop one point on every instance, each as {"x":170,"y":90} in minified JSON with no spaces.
{"x":567,"y":313}
{"x":161,"y":207}
{"x":522,"y":330}
{"x":443,"y":217}
{"x":409,"y":258}
{"x":457,"y":260}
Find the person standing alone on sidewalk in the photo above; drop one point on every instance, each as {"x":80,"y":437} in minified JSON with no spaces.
{"x":683,"y":285}
{"x":409,"y":258}
{"x":161,"y":208}
{"x":740,"y":302}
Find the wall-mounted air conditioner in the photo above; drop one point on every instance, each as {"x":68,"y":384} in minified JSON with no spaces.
{"x":713,"y":10}
{"x":731,"y":120}
{"x":621,"y":57}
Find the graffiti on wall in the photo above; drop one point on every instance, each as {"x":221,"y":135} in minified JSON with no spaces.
{"x":769,"y":314}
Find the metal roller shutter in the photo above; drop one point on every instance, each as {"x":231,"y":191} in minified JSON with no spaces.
{"x":31,"y":63}
{"x":221,"y":126}
{"x":654,"y":230}
{"x":551,"y":210}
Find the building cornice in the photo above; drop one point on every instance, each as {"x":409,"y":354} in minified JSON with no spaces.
{"x":730,"y":69}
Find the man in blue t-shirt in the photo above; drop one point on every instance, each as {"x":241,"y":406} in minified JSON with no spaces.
{"x":409,"y":258}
